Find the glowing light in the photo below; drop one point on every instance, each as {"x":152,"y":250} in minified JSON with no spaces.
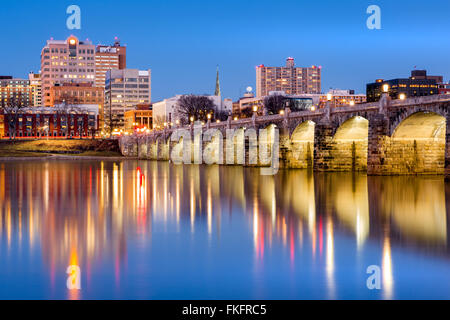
{"x":388,"y":279}
{"x":352,"y":103}
{"x":402,"y":96}
{"x":385,"y":87}
{"x":329,"y":96}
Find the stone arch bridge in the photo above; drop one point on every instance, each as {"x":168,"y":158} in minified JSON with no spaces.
{"x":409,"y":136}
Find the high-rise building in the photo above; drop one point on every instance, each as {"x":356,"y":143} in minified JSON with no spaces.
{"x":15,"y":92}
{"x":290,"y":79}
{"x":107,"y":58}
{"x":124,"y":90}
{"x":67,"y":60}
{"x":36,"y":88}
{"x":419,"y":84}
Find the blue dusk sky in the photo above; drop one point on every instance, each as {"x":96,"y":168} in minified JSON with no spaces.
{"x":183,"y":41}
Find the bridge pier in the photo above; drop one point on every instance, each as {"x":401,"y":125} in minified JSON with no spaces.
{"x":378,"y":133}
{"x":323,"y":139}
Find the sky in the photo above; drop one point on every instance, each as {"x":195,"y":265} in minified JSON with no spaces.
{"x":182,"y":42}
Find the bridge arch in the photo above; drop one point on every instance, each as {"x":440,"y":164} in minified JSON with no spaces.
{"x":350,"y":144}
{"x":301,"y":146}
{"x":418,"y":143}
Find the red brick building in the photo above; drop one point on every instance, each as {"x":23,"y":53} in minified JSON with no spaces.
{"x":51,"y":122}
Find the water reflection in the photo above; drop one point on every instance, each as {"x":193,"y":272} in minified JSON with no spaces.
{"x":108,"y":215}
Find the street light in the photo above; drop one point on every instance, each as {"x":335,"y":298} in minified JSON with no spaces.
{"x":402,"y":96}
{"x":329,"y":97}
{"x":352,"y":103}
{"x":255,"y":108}
{"x":385,"y":88}
{"x":192,"y":119}
{"x":281,"y":112}
{"x":209,"y":116}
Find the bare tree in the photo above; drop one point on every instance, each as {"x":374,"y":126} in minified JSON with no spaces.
{"x":197,"y":107}
{"x":275,"y":103}
{"x":222,"y":115}
{"x":12,"y":112}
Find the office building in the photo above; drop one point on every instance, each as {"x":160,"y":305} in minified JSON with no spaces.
{"x":67,"y":60}
{"x":107,"y":58}
{"x":419,"y":84}
{"x":124,"y":90}
{"x":290,"y":79}
{"x":15,"y":92}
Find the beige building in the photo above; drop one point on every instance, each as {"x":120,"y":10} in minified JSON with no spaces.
{"x":290,"y":79}
{"x":67,"y":60}
{"x":107,"y":58}
{"x":36,"y":88}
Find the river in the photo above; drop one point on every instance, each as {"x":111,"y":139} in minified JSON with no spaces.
{"x":153,"y":230}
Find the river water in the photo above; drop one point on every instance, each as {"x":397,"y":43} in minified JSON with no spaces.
{"x":152,"y":230}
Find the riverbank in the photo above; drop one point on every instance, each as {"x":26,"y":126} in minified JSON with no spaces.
{"x":59,"y":149}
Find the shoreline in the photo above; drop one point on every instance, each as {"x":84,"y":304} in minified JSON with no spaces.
{"x":65,"y":157}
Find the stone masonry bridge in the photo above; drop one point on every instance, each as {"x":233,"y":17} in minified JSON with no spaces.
{"x":409,"y":136}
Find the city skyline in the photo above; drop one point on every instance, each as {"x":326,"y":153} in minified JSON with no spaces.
{"x":238,"y":48}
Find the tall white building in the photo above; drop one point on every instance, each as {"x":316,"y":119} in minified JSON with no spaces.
{"x":124,"y":89}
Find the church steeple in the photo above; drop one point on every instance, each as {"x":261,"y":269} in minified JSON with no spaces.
{"x":217,"y":92}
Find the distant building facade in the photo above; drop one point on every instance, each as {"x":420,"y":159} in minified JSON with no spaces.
{"x":107,"y":58}
{"x":419,"y":84}
{"x":124,"y":90}
{"x":444,"y":88}
{"x":67,"y":60}
{"x":290,"y":79}
{"x":166,"y":110}
{"x":15,"y":92}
